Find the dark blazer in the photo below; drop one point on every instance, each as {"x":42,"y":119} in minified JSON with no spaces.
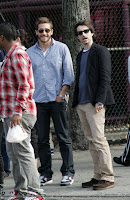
{"x":98,"y":76}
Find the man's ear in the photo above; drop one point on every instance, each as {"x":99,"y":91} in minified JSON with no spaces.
{"x":1,"y":37}
{"x":52,"y":31}
{"x":36,"y":32}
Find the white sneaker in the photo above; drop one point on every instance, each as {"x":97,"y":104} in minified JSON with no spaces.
{"x":33,"y":196}
{"x":45,"y":181}
{"x":13,"y":195}
{"x":66,"y":180}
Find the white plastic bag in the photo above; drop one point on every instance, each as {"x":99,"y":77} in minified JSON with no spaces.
{"x":16,"y":134}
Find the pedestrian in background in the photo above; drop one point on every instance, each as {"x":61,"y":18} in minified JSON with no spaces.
{"x":6,"y":159}
{"x":91,"y":94}
{"x":1,"y":162}
{"x":18,"y":107}
{"x":124,"y":159}
{"x":53,"y":75}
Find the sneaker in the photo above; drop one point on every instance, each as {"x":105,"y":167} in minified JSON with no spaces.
{"x":119,"y":161}
{"x":102,"y":185}
{"x":66,"y":180}
{"x":6,"y":174}
{"x":13,"y":195}
{"x":1,"y":192}
{"x":45,"y":181}
{"x":52,"y":152}
{"x":33,"y":196}
{"x":90,"y":183}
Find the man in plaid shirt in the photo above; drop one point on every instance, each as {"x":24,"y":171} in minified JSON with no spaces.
{"x":17,"y":106}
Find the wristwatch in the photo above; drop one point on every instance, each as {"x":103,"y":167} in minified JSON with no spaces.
{"x":63,"y":97}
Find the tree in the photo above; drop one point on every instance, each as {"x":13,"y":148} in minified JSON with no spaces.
{"x":72,"y":12}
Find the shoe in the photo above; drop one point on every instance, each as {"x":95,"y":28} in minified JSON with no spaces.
{"x":90,"y":183}
{"x":13,"y":195}
{"x":118,"y":161}
{"x":102,"y":185}
{"x":66,"y":180}
{"x":45,"y":181}
{"x":6,"y":174}
{"x":52,"y":152}
{"x":33,"y":196}
{"x":1,"y":192}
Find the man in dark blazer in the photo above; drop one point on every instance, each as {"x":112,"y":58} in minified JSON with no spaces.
{"x":92,"y":93}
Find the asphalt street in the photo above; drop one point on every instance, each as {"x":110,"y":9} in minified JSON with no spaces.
{"x":83,"y":172}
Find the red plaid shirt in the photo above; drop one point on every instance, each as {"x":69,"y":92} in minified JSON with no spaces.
{"x":16,"y":84}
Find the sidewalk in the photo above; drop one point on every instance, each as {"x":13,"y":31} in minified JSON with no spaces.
{"x":84,"y":172}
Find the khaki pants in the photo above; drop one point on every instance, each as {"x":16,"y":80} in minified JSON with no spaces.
{"x":24,"y":168}
{"x":93,"y":127}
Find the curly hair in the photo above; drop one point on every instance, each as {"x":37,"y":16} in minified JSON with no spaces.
{"x":25,"y":38}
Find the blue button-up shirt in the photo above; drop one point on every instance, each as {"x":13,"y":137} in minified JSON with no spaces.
{"x":51,"y":69}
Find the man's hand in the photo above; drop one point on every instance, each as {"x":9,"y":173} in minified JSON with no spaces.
{"x":16,"y":120}
{"x":98,"y":107}
{"x":59,"y":99}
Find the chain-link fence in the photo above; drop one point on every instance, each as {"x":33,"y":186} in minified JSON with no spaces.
{"x":111,"y":19}
{"x":112,"y":24}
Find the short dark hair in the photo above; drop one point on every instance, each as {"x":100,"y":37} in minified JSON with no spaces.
{"x":9,"y":31}
{"x":43,"y":20}
{"x":26,"y":39}
{"x":86,"y":23}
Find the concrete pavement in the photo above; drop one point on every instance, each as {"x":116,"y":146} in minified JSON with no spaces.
{"x":83,"y":172}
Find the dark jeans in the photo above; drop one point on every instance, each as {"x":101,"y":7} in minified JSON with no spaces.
{"x":1,"y":158}
{"x":126,"y":155}
{"x":34,"y":140}
{"x":4,"y":155}
{"x":56,"y":110}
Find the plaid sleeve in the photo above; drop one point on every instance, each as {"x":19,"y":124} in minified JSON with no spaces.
{"x":21,"y":65}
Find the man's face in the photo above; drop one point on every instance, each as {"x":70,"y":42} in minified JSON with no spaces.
{"x":1,"y":41}
{"x":44,"y":32}
{"x":84,"y":35}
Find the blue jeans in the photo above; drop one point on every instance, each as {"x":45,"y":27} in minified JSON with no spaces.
{"x":1,"y":158}
{"x":56,"y":110}
{"x":126,"y":155}
{"x":4,"y":155}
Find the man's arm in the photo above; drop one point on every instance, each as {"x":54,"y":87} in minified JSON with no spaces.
{"x":104,"y":67}
{"x":21,"y":71}
{"x":68,"y":72}
{"x":62,"y":93}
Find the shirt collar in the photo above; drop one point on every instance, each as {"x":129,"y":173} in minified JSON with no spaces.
{"x":85,"y":50}
{"x":12,"y":49}
{"x":52,"y":43}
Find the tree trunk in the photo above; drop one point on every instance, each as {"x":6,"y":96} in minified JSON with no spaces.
{"x":72,"y":12}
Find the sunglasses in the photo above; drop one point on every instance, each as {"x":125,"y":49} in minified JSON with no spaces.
{"x":84,"y":31}
{"x":42,"y":30}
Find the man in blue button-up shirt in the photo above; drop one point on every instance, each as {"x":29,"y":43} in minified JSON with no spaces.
{"x":53,"y":75}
